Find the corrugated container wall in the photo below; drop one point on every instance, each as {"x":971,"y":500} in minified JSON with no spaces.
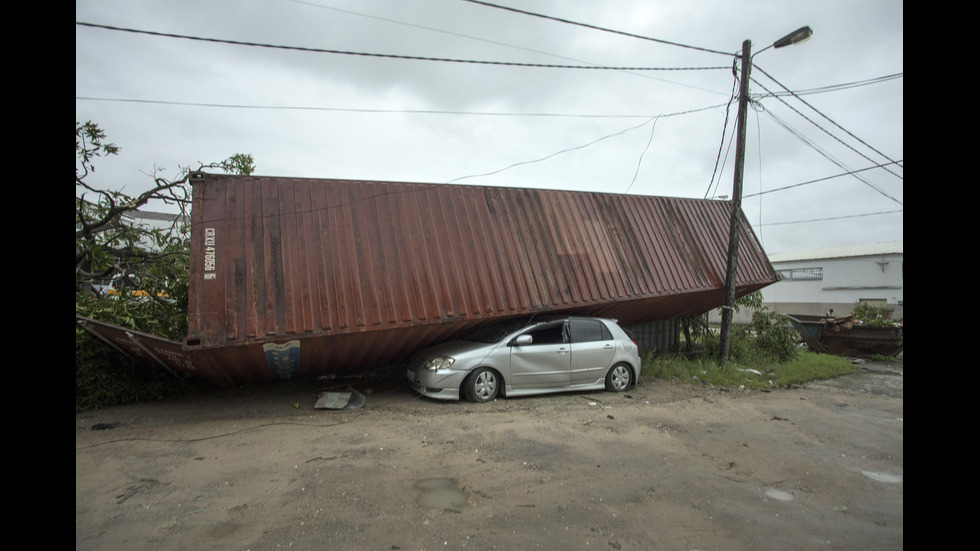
{"x":371,"y":270}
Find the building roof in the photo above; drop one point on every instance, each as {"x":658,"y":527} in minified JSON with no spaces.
{"x":871,"y":249}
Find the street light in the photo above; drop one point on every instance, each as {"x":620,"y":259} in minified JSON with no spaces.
{"x":799,"y":35}
{"x":727,"y":310}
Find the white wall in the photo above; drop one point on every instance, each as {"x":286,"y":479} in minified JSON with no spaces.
{"x":845,"y":282}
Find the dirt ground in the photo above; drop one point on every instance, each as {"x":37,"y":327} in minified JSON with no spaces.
{"x":664,"y":466}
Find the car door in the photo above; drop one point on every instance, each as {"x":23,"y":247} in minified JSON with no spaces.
{"x":592,"y":349}
{"x":543,"y":362}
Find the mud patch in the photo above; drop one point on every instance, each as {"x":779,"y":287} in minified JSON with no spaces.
{"x":440,"y":493}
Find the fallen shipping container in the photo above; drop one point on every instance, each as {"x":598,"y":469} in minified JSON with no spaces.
{"x":307,"y":277}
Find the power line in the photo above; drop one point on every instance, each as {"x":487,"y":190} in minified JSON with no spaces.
{"x":721,"y":144}
{"x":829,"y":157}
{"x":583,"y":146}
{"x":357,"y":110}
{"x":430,"y":29}
{"x":391,"y":56}
{"x":640,"y":160}
{"x":586,"y":25}
{"x":835,"y":87}
{"x":827,"y":118}
{"x":833,"y":218}
{"x":848,"y":173}
{"x":478,"y":39}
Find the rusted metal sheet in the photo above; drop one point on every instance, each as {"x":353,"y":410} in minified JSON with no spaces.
{"x":362,"y":273}
{"x":845,"y":337}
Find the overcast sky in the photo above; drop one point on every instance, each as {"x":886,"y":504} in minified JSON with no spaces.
{"x":649,"y":116}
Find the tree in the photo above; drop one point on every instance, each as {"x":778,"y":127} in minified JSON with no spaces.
{"x":128,"y":274}
{"x":107,"y":246}
{"x":696,"y":327}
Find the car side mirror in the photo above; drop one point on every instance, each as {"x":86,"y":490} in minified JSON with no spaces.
{"x":522,"y":340}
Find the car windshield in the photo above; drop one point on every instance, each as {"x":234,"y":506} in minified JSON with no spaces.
{"x":496,"y":332}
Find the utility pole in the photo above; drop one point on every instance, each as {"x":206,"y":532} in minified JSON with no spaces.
{"x":728,"y":309}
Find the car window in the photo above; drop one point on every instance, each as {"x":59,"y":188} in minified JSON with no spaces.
{"x":553,"y":333}
{"x":589,"y":331}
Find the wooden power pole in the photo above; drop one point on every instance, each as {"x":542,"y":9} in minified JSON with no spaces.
{"x":728,"y":309}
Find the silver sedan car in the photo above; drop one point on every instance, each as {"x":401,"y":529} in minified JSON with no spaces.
{"x":522,"y":357}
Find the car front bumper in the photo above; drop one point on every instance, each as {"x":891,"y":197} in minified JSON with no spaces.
{"x":441,"y":385}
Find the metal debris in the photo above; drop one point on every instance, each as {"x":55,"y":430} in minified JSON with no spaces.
{"x":351,"y":399}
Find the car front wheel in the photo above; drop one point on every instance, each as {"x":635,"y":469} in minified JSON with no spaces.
{"x":618,"y":378}
{"x":482,"y":386}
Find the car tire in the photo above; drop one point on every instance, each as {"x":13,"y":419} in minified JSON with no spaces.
{"x":619,"y":378}
{"x":482,"y":385}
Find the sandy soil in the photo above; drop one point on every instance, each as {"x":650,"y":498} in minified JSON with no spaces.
{"x":664,"y":466}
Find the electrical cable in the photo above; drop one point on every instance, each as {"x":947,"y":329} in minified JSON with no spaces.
{"x":640,"y":160}
{"x":478,"y":39}
{"x":834,"y":218}
{"x":631,"y":35}
{"x":593,"y":142}
{"x":827,"y":155}
{"x":391,"y":56}
{"x":830,"y":157}
{"x":555,"y":154}
{"x":360,"y":110}
{"x":836,"y":87}
{"x":848,"y":173}
{"x":825,"y":117}
{"x":721,"y":145}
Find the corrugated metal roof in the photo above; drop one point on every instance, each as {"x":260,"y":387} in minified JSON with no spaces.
{"x":870,"y":249}
{"x":304,"y":277}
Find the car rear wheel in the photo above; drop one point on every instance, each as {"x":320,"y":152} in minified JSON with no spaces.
{"x":482,"y":386}
{"x":618,"y":378}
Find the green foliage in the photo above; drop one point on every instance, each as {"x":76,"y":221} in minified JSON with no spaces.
{"x":104,"y":377}
{"x":759,"y":375}
{"x":767,"y":338}
{"x":697,"y":331}
{"x":872,"y":314}
{"x":772,"y":338}
{"x":127,"y":274}
{"x":762,"y":355}
{"x":752,"y":300}
{"x":239,"y":163}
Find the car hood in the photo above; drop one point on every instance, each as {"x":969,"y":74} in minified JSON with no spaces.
{"x":458,"y":349}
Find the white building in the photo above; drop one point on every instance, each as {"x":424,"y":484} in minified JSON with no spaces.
{"x":151,"y":221}
{"x":812,"y":282}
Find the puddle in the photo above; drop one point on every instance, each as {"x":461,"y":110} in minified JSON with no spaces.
{"x":882,"y":477}
{"x":778,"y":494}
{"x":440,"y":493}
{"x":873,"y":378}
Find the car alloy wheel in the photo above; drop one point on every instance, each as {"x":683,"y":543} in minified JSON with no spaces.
{"x":618,"y":378}
{"x":482,"y":385}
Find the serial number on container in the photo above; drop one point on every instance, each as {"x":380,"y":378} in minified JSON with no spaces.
{"x":210,"y":254}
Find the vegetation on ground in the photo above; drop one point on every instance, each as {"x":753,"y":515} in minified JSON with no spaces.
{"x":762,"y":355}
{"x":760,"y":374}
{"x":127,"y":274}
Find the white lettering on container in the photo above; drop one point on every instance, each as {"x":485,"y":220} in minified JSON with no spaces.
{"x":210,"y":254}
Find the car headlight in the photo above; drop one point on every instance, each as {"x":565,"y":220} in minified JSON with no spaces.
{"x":439,"y":362}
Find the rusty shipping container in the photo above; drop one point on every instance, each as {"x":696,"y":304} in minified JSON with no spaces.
{"x":308,"y":277}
